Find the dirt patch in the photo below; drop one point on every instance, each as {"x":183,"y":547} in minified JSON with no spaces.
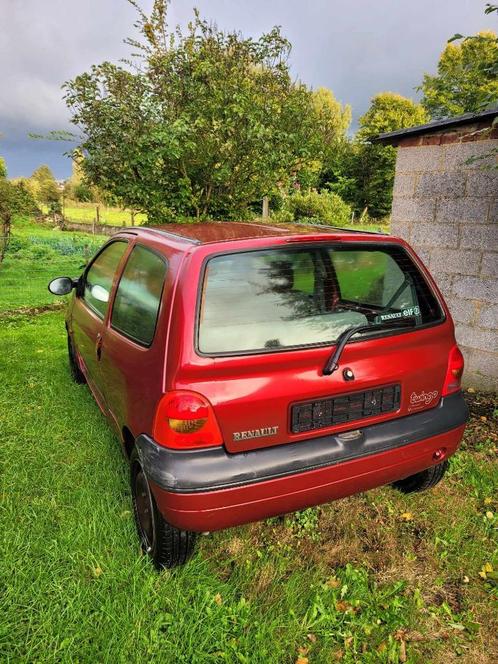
{"x":31,"y":311}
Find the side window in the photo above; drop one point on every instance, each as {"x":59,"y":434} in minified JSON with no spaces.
{"x":99,"y":277}
{"x":137,"y":300}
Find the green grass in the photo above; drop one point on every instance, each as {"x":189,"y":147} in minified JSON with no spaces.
{"x":86,"y":213}
{"x":36,"y":254}
{"x":354,"y":581}
{"x":115,"y":216}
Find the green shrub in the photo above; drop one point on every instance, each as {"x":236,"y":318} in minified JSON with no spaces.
{"x":83,"y":193}
{"x":312,"y":206}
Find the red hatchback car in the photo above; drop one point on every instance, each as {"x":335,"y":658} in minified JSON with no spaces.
{"x":252,"y":370}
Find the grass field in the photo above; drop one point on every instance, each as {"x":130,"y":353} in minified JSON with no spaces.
{"x":379,"y":577}
{"x":36,"y":254}
{"x":86,"y":213}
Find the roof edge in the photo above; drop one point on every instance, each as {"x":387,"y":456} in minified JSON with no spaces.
{"x":392,"y":137}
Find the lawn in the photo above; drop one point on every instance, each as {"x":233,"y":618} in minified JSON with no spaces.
{"x":86,"y":213}
{"x":37,"y":253}
{"x":379,"y":577}
{"x":115,"y":216}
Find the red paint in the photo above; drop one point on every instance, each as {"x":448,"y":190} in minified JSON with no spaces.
{"x":255,"y":391}
{"x":215,"y":510}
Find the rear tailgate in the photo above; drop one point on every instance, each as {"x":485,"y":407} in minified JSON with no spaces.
{"x":256,"y":398}
{"x":267,"y":321}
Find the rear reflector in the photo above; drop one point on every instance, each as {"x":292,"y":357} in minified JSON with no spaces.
{"x":452,"y":381}
{"x":184,"y":420}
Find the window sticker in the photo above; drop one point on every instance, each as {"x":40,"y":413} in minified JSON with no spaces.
{"x":404,"y":313}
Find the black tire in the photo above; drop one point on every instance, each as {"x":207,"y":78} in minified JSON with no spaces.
{"x":423,"y":480}
{"x":166,"y":545}
{"x":76,"y":373}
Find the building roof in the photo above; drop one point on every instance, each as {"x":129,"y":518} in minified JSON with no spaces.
{"x":222,"y":231}
{"x":393,"y":137}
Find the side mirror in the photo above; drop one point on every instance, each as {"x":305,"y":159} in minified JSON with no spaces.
{"x":61,"y":285}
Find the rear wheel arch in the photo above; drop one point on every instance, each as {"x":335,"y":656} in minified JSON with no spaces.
{"x":166,"y":545}
{"x":128,"y":441}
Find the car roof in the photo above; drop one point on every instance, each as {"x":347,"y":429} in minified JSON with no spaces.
{"x":207,"y":232}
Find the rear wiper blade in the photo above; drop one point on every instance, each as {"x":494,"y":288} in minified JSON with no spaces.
{"x":332,"y":363}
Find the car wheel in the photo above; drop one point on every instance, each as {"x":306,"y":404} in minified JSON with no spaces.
{"x":423,"y":480}
{"x":76,"y":373}
{"x":166,"y":545}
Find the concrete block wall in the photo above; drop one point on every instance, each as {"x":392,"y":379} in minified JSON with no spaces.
{"x":447,"y":209}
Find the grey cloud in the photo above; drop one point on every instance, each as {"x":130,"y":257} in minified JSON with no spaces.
{"x":354,"y":48}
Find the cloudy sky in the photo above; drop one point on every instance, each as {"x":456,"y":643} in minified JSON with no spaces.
{"x":354,"y":47}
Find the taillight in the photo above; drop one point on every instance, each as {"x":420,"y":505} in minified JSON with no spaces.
{"x":454,"y":372}
{"x":186,"y":419}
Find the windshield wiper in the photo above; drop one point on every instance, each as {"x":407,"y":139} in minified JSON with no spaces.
{"x":332,"y":363}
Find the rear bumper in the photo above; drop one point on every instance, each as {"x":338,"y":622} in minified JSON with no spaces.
{"x":210,"y":489}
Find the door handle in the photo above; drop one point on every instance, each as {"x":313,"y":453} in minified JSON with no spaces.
{"x":98,"y":346}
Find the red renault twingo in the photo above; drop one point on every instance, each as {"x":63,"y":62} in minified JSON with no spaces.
{"x":253,"y":370}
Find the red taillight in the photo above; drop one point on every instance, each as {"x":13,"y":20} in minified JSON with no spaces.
{"x":454,"y":372}
{"x":186,"y":419}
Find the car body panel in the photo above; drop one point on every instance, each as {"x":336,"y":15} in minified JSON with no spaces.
{"x":256,"y":391}
{"x":241,"y":388}
{"x":215,"y":510}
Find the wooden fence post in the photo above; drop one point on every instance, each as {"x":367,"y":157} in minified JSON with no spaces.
{"x":266,"y":207}
{"x":96,"y":219}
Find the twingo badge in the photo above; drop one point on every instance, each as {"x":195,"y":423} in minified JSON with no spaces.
{"x":422,"y":399}
{"x":255,"y":433}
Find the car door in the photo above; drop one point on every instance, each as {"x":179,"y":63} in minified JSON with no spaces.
{"x":90,"y":310}
{"x":132,"y":359}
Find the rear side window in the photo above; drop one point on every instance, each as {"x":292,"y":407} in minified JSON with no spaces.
{"x":138,"y":296}
{"x":259,"y":300}
{"x":100,"y":275}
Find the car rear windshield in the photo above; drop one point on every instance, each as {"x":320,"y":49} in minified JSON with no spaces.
{"x":286,"y":298}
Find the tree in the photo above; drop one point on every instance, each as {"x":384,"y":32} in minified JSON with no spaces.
{"x":332,"y":123}
{"x":388,"y":112}
{"x":202,"y":125}
{"x":44,"y":187}
{"x":466,"y":79}
{"x":15,"y":198}
{"x":372,"y":178}
{"x":75,"y":187}
{"x":366,"y":174}
{"x":3,"y":168}
{"x":332,"y":118}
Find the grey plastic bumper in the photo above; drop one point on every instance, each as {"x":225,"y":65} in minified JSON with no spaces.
{"x":214,"y":468}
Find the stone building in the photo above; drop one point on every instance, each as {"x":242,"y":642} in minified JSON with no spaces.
{"x":445,"y":204}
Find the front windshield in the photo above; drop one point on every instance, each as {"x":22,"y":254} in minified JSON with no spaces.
{"x":283,"y":298}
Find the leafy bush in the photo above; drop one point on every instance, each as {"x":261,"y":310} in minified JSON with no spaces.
{"x":83,"y":193}
{"x":324,"y":207}
{"x":15,"y":198}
